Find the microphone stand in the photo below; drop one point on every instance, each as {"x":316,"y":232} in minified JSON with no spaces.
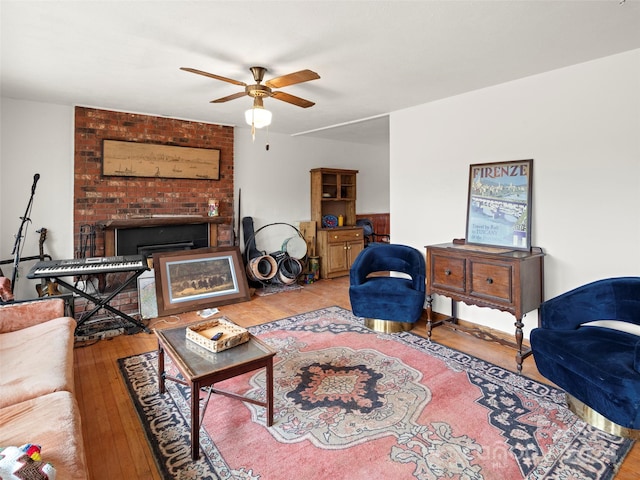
{"x":16,"y":246}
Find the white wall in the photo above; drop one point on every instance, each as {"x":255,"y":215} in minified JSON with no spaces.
{"x":276,"y":183}
{"x":580,"y":124}
{"x":36,"y":138}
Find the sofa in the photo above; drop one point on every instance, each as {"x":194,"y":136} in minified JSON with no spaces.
{"x":588,"y":343}
{"x":37,"y":402}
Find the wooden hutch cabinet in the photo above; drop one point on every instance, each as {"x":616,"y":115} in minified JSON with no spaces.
{"x":333,"y":192}
{"x":504,"y":279}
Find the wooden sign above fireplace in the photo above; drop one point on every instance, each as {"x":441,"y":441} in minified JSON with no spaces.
{"x":134,"y":159}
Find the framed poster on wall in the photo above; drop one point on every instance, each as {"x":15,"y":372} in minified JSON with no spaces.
{"x":499,"y":204}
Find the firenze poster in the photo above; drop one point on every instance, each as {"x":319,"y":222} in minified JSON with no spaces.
{"x":499,"y":208}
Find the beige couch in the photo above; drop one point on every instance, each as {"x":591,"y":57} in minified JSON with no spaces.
{"x":37,"y":403}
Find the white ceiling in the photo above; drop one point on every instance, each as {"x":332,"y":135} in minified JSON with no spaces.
{"x":374,"y":57}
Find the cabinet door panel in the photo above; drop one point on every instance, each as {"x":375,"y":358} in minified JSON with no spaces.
{"x":337,"y":257}
{"x":354,"y":249}
{"x":448,"y":272}
{"x":491,"y":280}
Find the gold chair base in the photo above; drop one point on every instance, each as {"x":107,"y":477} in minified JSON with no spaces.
{"x":598,"y":420}
{"x":387,"y":326}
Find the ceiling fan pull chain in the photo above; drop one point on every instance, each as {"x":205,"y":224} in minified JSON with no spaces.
{"x":266,"y":147}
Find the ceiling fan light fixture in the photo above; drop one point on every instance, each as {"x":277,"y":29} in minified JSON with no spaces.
{"x":258,"y":117}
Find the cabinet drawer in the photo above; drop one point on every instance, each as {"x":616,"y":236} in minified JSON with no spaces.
{"x":491,"y":280}
{"x":448,"y":272}
{"x":344,"y":235}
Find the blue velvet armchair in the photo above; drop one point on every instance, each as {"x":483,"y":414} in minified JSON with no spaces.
{"x":388,"y":302}
{"x":588,"y":344}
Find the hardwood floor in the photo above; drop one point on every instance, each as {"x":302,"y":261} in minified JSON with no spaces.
{"x":115,"y":444}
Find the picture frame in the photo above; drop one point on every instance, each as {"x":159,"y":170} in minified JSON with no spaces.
{"x":147,"y":301}
{"x":194,"y":279}
{"x":499,"y":204}
{"x":135,"y":159}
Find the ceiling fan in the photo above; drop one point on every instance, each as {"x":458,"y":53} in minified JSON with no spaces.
{"x":258,"y":116}
{"x":258,"y":91}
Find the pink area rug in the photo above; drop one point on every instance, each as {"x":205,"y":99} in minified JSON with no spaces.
{"x":354,"y":404}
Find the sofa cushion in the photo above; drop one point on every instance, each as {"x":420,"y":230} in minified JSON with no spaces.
{"x":15,"y":316}
{"x":387,"y":298}
{"x":53,"y":422}
{"x":36,"y":360}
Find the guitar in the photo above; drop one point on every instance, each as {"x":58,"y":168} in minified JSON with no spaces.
{"x":47,"y":288}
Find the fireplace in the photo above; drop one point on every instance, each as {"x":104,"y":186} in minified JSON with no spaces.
{"x":147,"y":235}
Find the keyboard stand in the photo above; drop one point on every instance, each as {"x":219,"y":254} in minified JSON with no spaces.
{"x":104,"y":302}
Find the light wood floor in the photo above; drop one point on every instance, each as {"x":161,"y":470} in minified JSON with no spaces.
{"x":115,"y":444}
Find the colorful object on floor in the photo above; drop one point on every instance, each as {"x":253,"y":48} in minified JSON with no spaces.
{"x":351,"y":403}
{"x":24,"y":463}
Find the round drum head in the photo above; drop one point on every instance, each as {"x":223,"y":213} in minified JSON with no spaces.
{"x":295,"y":247}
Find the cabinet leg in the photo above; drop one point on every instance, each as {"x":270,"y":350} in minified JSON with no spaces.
{"x":519,"y":336}
{"x":429,"y":300}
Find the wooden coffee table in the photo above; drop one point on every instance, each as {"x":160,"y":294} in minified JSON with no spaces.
{"x":201,"y":368}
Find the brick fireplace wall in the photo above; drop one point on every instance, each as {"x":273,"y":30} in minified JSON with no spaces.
{"x":98,"y":198}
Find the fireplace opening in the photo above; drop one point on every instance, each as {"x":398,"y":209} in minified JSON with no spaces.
{"x":161,"y":238}
{"x":149,"y":250}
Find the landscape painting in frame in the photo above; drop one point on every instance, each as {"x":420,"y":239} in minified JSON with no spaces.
{"x":193,"y":279}
{"x":499,"y":204}
{"x":133,"y":159}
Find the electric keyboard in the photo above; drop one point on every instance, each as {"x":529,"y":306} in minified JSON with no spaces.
{"x":94,"y":265}
{"x":87,"y":266}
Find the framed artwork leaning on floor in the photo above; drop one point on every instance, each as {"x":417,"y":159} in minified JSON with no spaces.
{"x":193,"y":279}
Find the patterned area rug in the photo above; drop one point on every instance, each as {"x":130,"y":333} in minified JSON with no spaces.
{"x":271,"y":289}
{"x":354,"y":404}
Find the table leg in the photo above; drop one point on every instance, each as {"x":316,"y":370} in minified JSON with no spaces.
{"x":161,"y":387}
{"x":270,"y":392}
{"x":195,"y":421}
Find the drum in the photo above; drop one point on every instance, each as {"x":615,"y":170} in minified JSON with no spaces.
{"x":289,"y":269}
{"x":295,"y":247}
{"x":262,"y":268}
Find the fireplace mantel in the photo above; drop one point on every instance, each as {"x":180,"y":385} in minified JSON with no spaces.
{"x":110,"y":226}
{"x":158,"y":220}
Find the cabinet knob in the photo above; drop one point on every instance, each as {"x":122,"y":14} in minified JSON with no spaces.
{"x":447,"y":272}
{"x":345,"y":247}
{"x":335,"y":236}
{"x":357,"y":234}
{"x":489,"y":280}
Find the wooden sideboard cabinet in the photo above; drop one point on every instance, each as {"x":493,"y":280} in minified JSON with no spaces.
{"x":500,"y":278}
{"x":338,"y":248}
{"x":334,"y":192}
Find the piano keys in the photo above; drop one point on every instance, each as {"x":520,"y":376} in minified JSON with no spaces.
{"x":87,"y":266}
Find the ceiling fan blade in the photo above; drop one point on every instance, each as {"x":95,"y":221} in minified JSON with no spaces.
{"x":286,"y":97}
{"x":292,"y":79}
{"x":211,"y":75}
{"x":229,"y":97}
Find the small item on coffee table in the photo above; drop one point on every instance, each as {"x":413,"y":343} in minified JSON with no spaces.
{"x":217,"y":334}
